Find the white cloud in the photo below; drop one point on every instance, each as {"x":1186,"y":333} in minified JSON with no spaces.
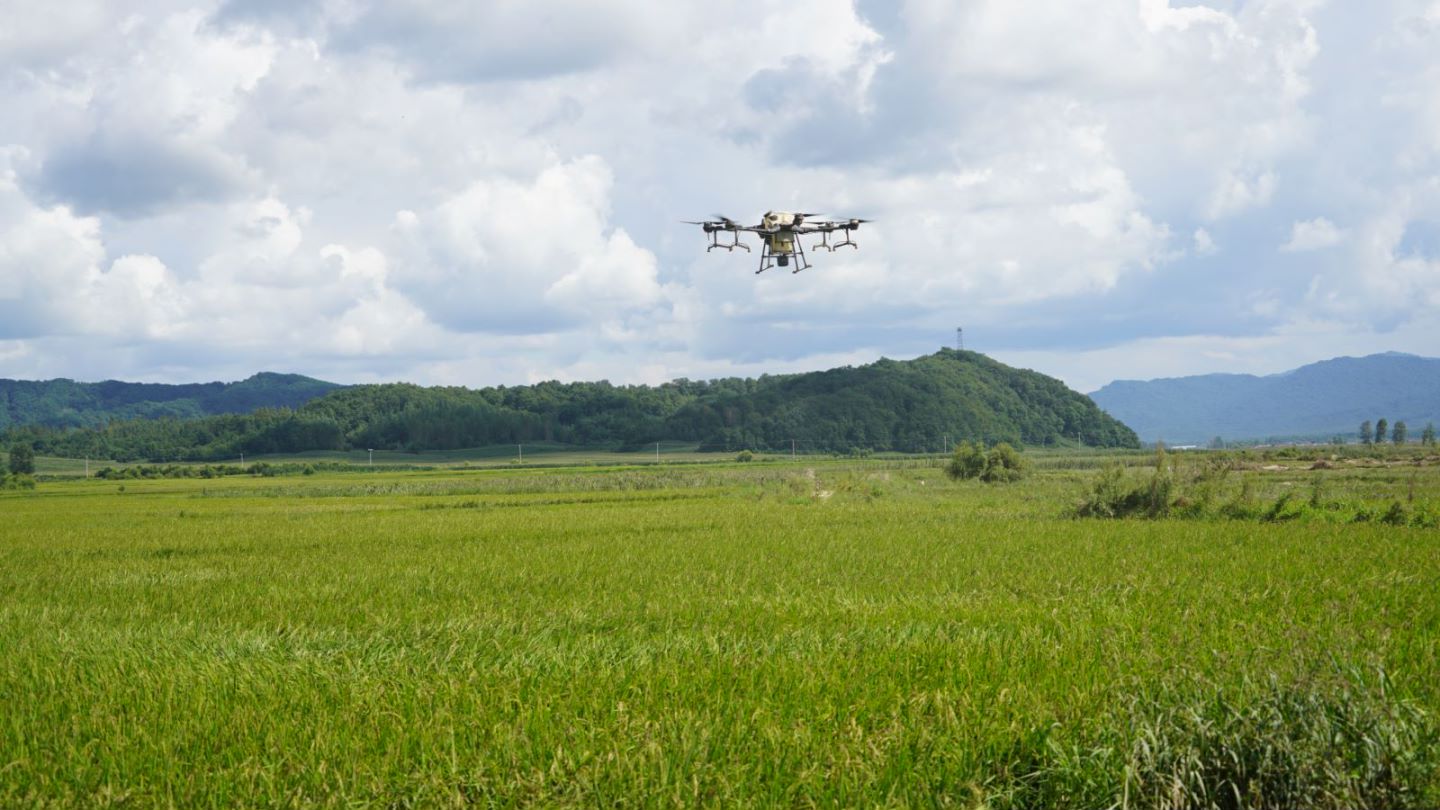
{"x":1204,"y":243}
{"x":1313,"y":234}
{"x":519,"y":257}
{"x":1237,"y":192}
{"x":491,"y":193}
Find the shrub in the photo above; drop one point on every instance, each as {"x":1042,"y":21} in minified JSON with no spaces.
{"x":968,"y":461}
{"x":1395,"y":515}
{"x":17,"y":481}
{"x":1203,"y":488}
{"x":1003,"y":464}
{"x":1113,"y":495}
{"x":745,"y":455}
{"x":1108,"y":495}
{"x":1242,"y":506}
{"x":1280,"y":510}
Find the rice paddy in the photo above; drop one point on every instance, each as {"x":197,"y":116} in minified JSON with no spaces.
{"x":810,"y":633}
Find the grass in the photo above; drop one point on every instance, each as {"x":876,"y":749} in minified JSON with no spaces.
{"x":820,"y":633}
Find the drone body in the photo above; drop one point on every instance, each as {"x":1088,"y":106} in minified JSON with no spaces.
{"x":780,"y":233}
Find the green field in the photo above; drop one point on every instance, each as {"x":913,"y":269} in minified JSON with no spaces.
{"x":811,"y":633}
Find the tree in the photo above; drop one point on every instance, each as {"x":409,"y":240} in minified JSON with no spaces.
{"x":1367,"y":433}
{"x":1427,"y":437}
{"x":1380,"y":428}
{"x":22,"y":459}
{"x":1399,"y":433}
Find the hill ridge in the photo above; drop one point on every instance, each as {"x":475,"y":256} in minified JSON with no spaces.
{"x":1319,"y":400}
{"x":62,"y":402}
{"x":904,"y":405}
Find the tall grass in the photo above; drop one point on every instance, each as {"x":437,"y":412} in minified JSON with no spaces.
{"x":746,"y":635}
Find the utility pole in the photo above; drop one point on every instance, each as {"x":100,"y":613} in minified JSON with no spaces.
{"x":657,"y":452}
{"x":371,"y":451}
{"x":520,"y":450}
{"x":792,"y":449}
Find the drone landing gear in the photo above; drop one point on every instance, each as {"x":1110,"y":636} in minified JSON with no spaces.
{"x":728,"y":247}
{"x":825,"y":242}
{"x":781,"y":258}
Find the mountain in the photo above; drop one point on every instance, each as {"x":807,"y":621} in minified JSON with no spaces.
{"x":909,"y":405}
{"x":1321,"y":400}
{"x":66,"y":403}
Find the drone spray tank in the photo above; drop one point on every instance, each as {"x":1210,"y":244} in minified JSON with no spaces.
{"x":782,"y":242}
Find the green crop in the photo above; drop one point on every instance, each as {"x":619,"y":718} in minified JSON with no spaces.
{"x":781,"y":634}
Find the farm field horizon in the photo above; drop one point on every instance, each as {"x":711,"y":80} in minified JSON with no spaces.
{"x":838,"y":632}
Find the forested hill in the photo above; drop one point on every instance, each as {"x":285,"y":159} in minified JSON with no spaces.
{"x":888,"y":405}
{"x":66,"y":403}
{"x":1320,"y":400}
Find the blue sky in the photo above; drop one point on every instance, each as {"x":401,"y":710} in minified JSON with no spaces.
{"x":489,"y":193}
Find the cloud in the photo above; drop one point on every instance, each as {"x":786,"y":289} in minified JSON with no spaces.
{"x":1204,"y":243}
{"x":56,"y":279}
{"x":1313,"y":234}
{"x":490,"y":193}
{"x":46,"y":253}
{"x":134,"y":124}
{"x":1238,"y":191}
{"x":517,"y":257}
{"x":504,"y":40}
{"x":136,"y":176}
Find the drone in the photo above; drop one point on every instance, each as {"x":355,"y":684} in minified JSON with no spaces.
{"x":779,"y":236}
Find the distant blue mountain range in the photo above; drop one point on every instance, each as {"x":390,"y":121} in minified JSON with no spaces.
{"x":1320,"y":400}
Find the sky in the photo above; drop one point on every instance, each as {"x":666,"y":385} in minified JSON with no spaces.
{"x":491,"y":193}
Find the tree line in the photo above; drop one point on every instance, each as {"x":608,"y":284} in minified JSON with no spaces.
{"x":893,"y":405}
{"x":64,"y":403}
{"x":1399,"y":433}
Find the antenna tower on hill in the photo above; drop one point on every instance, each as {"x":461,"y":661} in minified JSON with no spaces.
{"x":959,"y":339}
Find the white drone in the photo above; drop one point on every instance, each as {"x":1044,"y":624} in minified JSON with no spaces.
{"x":778,"y":236}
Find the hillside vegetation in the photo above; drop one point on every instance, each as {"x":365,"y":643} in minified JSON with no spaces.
{"x":1320,"y":400}
{"x":67,"y":404}
{"x":888,"y":405}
